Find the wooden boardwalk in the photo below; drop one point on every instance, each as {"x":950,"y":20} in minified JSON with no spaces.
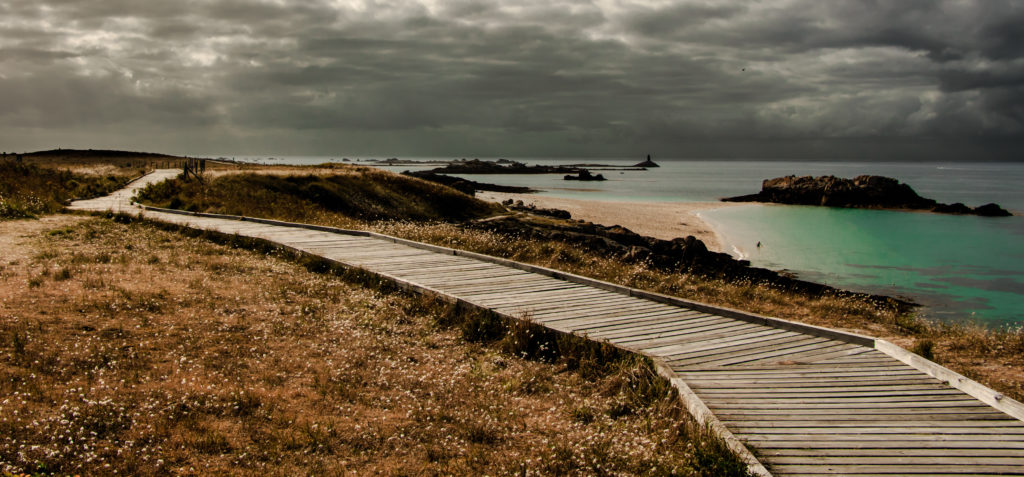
{"x":808,"y":400}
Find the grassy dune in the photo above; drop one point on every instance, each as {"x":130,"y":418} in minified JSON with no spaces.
{"x":359,"y":193}
{"x":28,"y":190}
{"x":249,"y":363}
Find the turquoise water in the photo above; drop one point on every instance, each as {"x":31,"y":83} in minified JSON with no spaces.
{"x":958,"y":267}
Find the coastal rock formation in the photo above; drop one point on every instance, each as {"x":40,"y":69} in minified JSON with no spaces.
{"x":466,"y":186}
{"x":504,"y":166}
{"x":991,"y":210}
{"x":647,"y":163}
{"x":533,"y":209}
{"x":681,"y":254}
{"x":870,"y":192}
{"x":584,"y":175}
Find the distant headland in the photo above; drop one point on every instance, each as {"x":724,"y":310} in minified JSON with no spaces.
{"x":864,"y":192}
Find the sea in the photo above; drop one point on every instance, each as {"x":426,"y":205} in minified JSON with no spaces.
{"x":959,"y":268}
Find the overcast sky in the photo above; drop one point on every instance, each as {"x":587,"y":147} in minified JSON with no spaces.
{"x":743,"y":79}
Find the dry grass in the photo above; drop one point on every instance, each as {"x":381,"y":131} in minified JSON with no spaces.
{"x":140,"y":351}
{"x":360,"y":193}
{"x":103,"y":162}
{"x":28,"y":190}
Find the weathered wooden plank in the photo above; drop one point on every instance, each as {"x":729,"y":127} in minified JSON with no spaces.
{"x":839,"y":402}
{"x":825,"y":355}
{"x":537,"y":291}
{"x":901,"y":460}
{"x":712,"y":395}
{"x":771,"y":356}
{"x":724,"y":346}
{"x":351,"y":255}
{"x":424,"y":264}
{"x":770,"y":369}
{"x":890,"y":441}
{"x":583,"y":323}
{"x":483,"y":288}
{"x":484,"y":291}
{"x":1017,"y":433}
{"x":592,"y":322}
{"x":697,"y":376}
{"x":920,"y":469}
{"x":461,"y":274}
{"x":445,"y":280}
{"x":806,"y":356}
{"x":372,"y":261}
{"x":595,"y":311}
{"x":696,"y":332}
{"x":332,"y":239}
{"x":672,"y":326}
{"x":741,"y":355}
{"x":322,"y":238}
{"x":833,"y":445}
{"x":590,"y":325}
{"x":539,"y":297}
{"x":908,"y":425}
{"x":599,"y":301}
{"x":436,"y":268}
{"x":697,"y":384}
{"x":791,"y":415}
{"x":890,"y":452}
{"x":724,"y":339}
{"x":368,"y":253}
{"x":627,"y":331}
{"x":595,"y":326}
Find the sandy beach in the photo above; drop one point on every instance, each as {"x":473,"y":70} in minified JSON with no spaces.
{"x":664,"y":220}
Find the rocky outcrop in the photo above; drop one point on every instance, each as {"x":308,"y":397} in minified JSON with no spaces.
{"x":584,"y":175}
{"x":870,"y":192}
{"x":647,"y":163}
{"x":476,"y":166}
{"x":991,"y":210}
{"x":681,"y":254}
{"x":533,"y":209}
{"x":465,"y":185}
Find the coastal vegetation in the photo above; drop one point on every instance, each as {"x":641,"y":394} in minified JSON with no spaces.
{"x":352,"y":193}
{"x":314,"y":371}
{"x":43,"y":182}
{"x":28,"y":190}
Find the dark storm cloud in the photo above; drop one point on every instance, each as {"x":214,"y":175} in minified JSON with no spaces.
{"x":515,"y":77}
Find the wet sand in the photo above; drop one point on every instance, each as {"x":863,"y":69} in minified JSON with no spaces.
{"x":664,"y":220}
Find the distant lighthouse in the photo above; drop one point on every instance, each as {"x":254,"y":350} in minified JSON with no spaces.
{"x":647,"y":163}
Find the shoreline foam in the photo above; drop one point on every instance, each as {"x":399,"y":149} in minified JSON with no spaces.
{"x":663,"y":220}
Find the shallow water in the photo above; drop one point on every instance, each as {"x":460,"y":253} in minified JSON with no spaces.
{"x":959,"y":267}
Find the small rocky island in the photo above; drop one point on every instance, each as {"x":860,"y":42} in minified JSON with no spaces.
{"x":502,"y":166}
{"x":865,"y":192}
{"x":584,"y":175}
